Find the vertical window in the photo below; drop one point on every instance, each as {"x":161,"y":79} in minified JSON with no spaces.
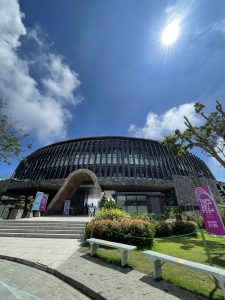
{"x":103,"y":158}
{"x":121,"y":202}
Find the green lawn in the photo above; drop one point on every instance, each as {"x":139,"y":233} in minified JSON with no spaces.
{"x":190,"y":248}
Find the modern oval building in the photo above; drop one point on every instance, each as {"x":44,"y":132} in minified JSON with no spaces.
{"x":140,"y":174}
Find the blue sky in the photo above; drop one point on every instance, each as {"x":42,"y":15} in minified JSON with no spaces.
{"x":84,"y":68}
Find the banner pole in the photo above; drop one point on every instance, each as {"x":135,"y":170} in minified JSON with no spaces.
{"x":197,"y":182}
{"x":206,"y":247}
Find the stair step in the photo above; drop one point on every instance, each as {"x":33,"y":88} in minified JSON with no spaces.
{"x":55,"y":231}
{"x":42,"y":235}
{"x":43,"y":227}
{"x":40,"y":222}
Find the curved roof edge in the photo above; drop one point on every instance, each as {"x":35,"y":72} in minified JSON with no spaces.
{"x":98,"y":138}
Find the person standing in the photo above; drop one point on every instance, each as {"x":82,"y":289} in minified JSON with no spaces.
{"x":91,"y":210}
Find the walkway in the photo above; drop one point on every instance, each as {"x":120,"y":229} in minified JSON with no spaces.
{"x":50,"y":252}
{"x":96,"y":278}
{"x":22,"y":282}
{"x":112,"y":282}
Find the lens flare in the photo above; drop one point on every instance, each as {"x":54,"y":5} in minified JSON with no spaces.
{"x":171,"y":33}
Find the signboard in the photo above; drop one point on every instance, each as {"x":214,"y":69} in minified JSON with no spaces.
{"x":44,"y":203}
{"x":212,"y":220}
{"x":66,"y":210}
{"x":37,"y":201}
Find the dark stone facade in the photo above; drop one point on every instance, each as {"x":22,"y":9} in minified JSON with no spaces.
{"x":184,"y":187}
{"x":119,"y":164}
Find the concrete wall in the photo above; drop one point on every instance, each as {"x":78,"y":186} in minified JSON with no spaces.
{"x":184,"y":189}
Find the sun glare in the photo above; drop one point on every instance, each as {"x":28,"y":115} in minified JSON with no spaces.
{"x":171,"y":33}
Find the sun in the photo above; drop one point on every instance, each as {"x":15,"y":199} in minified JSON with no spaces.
{"x":171,"y":33}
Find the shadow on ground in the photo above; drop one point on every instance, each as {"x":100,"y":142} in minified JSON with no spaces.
{"x":170,"y":288}
{"x":101,"y":262}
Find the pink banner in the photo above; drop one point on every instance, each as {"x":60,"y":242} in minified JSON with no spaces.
{"x":212,"y":220}
{"x":43,"y":203}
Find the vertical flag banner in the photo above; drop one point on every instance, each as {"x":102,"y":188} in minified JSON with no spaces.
{"x":212,"y":220}
{"x":44,"y":202}
{"x":37,"y":201}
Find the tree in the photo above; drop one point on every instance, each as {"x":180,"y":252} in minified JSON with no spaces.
{"x":209,"y":136}
{"x":106,"y":203}
{"x":11,"y":137}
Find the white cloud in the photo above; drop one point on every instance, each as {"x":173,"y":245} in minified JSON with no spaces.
{"x":40,"y":104}
{"x":35,"y":33}
{"x":216,"y":169}
{"x":157,"y":126}
{"x":60,"y":81}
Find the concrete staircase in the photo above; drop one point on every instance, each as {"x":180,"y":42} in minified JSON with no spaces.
{"x":42,"y":229}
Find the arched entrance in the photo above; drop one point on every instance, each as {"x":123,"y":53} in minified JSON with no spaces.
{"x":70,"y":186}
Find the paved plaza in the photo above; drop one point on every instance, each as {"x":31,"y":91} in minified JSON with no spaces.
{"x":94,"y":277}
{"x":49,"y":252}
{"x":22,"y":282}
{"x":99,"y":279}
{"x":113,"y":282}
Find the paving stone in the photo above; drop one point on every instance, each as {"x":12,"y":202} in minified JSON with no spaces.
{"x":29,"y":283}
{"x":107,"y":280}
{"x":113,"y":282}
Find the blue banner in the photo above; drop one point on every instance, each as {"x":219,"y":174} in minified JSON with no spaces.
{"x":37,"y":201}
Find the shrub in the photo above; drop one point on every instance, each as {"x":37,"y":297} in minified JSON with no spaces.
{"x":105,"y":203}
{"x":20,"y":203}
{"x":111,"y":214}
{"x":148,"y":217}
{"x":29,"y":202}
{"x":194,"y":217}
{"x":183,"y":227}
{"x":173,"y":213}
{"x":110,"y":204}
{"x":163,"y":228}
{"x":102,"y":202}
{"x":132,"y":232}
{"x":138,"y":216}
{"x":156,"y":217}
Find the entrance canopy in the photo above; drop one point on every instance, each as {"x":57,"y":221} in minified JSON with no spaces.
{"x":71,"y":184}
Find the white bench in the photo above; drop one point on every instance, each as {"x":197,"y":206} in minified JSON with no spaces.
{"x":156,"y":258}
{"x":123,"y":248}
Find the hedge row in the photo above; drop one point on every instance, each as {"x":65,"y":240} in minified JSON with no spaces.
{"x":137,"y":232}
{"x":173,"y":227}
{"x":133,"y":232}
{"x":114,"y":214}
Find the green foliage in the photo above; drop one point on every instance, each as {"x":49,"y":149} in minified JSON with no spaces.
{"x":194,"y":217}
{"x":24,"y":202}
{"x":102,"y":202}
{"x":173,"y":213}
{"x":11,"y":137}
{"x":20,"y":203}
{"x":111,"y":214}
{"x":163,"y":229}
{"x":148,"y":217}
{"x":209,"y":136}
{"x":138,"y":216}
{"x":29,"y":202}
{"x":189,"y":248}
{"x":183,"y":227}
{"x":107,"y":204}
{"x":133,"y":232}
